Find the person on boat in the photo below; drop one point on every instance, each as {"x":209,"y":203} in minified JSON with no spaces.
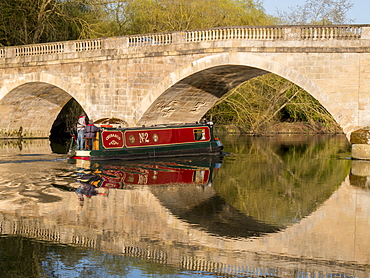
{"x":81,"y":123}
{"x":205,"y":121}
{"x":90,"y":134}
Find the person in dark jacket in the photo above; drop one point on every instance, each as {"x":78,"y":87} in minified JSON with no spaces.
{"x":90,"y":134}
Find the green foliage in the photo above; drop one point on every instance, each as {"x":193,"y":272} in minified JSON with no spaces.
{"x":150,"y":16}
{"x":263,"y":101}
{"x":40,"y":21}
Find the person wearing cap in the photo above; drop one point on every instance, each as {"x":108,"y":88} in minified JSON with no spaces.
{"x":81,"y":123}
{"x":90,"y":134}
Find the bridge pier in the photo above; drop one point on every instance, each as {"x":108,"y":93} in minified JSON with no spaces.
{"x":360,"y":142}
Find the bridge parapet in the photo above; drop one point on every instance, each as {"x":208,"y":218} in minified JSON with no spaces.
{"x":331,"y":32}
{"x":251,"y":33}
{"x":51,"y":48}
{"x":243,"y":32}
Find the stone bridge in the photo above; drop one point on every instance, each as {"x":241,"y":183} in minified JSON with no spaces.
{"x":177,"y":77}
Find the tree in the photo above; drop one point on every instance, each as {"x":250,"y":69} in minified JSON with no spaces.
{"x":150,"y":16}
{"x":116,"y":16}
{"x":39,"y":21}
{"x":319,"y":12}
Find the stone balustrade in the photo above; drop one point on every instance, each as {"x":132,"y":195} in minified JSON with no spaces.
{"x":88,"y":45}
{"x":151,"y":39}
{"x":243,"y":33}
{"x":331,"y":32}
{"x":334,"y":32}
{"x":38,"y":49}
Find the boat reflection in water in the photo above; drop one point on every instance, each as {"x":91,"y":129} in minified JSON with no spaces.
{"x":183,"y":186}
{"x":97,"y":178}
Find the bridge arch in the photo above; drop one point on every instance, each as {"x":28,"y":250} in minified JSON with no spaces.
{"x":170,"y":100}
{"x":31,"y":104}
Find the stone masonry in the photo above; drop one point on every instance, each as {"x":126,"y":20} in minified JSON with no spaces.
{"x":177,"y":77}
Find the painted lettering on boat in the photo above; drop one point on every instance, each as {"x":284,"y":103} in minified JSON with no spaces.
{"x":144,"y":137}
{"x":112,"y":139}
{"x":113,"y":135}
{"x":166,"y":136}
{"x":143,"y":179}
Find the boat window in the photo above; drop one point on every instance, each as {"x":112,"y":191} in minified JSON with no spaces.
{"x":199,"y":134}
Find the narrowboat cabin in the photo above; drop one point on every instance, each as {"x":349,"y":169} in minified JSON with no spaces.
{"x":150,"y":142}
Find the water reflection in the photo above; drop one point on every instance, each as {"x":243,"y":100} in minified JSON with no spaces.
{"x":280,"y":180}
{"x":360,"y":174}
{"x":24,"y":146}
{"x":275,"y":208}
{"x":182,"y":185}
{"x":175,"y":171}
{"x":179,"y":172}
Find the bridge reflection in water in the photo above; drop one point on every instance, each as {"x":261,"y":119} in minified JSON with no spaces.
{"x":145,"y":215}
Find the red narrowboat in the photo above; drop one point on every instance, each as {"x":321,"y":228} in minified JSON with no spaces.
{"x":151,"y":142}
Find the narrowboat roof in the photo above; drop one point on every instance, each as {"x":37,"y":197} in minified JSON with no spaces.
{"x":174,"y":125}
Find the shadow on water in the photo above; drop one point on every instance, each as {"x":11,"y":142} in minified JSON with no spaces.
{"x":60,"y":145}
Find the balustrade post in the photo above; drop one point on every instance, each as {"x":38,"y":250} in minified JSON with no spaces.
{"x":9,"y":52}
{"x":115,"y":43}
{"x":365,"y":33}
{"x":69,"y":47}
{"x":178,"y":37}
{"x":292,"y":33}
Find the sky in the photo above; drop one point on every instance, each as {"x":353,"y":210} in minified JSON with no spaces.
{"x":360,"y":11}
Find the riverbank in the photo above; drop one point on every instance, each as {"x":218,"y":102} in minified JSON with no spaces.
{"x":284,"y":128}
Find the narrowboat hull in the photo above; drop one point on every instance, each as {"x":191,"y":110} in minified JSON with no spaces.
{"x":151,"y":142}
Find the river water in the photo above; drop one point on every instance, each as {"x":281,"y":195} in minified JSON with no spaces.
{"x":279,"y":206}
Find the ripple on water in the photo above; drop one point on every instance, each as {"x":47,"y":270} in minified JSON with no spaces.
{"x":43,"y":183}
{"x":59,"y":182}
{"x":12,"y":184}
{"x":5,"y":183}
{"x":5,"y":196}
